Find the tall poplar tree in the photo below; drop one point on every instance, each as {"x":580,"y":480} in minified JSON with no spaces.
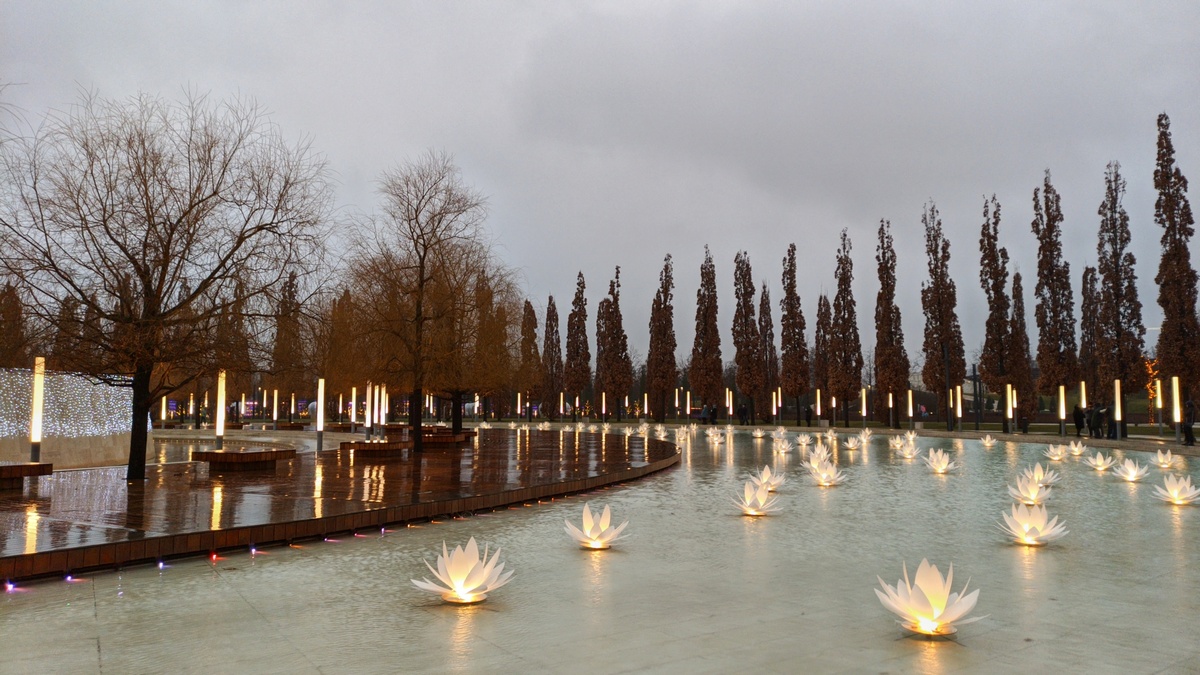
{"x":1178,"y":348}
{"x":845,"y":346}
{"x":793,"y":347}
{"x":767,"y":351}
{"x":820,"y":353}
{"x":529,"y":369}
{"x":705,"y":375}
{"x":891,"y":359}
{"x":1120,"y":334}
{"x":945,"y":359}
{"x":577,"y":369}
{"x":661,"y":371}
{"x":614,"y":367}
{"x":993,"y":278}
{"x":1057,"y":359}
{"x":552,"y":359}
{"x":1089,"y":358}
{"x":746,"y":341}
{"x":1019,"y":362}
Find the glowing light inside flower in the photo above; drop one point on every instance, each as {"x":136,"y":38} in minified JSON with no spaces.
{"x":853,"y":443}
{"x":758,"y":432}
{"x":781,"y":446}
{"x":928,"y":606}
{"x":1100,"y":462}
{"x":1041,"y":476}
{"x":824,"y":472}
{"x":1131,"y":471}
{"x":1028,"y":525}
{"x":1164,"y":460}
{"x":1029,"y":492}
{"x":1177,"y":490}
{"x":939,"y":461}
{"x":595,"y":534}
{"x":987,"y":441}
{"x":467,"y":577}
{"x":908,"y":451}
{"x":756,"y":500}
{"x":1056,"y":453}
{"x":1078,"y":448}
{"x":910,"y":436}
{"x":768,"y":478}
{"x":804,"y":440}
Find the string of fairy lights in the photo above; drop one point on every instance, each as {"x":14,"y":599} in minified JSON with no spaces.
{"x":74,"y":405}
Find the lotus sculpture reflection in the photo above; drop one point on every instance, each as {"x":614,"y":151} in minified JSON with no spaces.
{"x":825,"y":473}
{"x":1056,"y":453}
{"x":1029,"y":492}
{"x":1131,"y":471}
{"x":1177,"y":490}
{"x":1100,"y":462}
{"x":766,"y":477}
{"x":756,"y":500}
{"x":467,"y":577}
{"x":595,"y":534}
{"x":1078,"y":448}
{"x":987,"y":441}
{"x":939,"y":461}
{"x":928,"y":606}
{"x":1027,"y":525}
{"x":1042,"y":476}
{"x":1164,"y":460}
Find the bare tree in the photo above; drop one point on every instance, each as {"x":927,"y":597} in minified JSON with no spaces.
{"x":155,"y":217}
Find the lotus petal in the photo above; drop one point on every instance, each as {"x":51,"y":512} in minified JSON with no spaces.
{"x":927,"y":606}
{"x":988,"y":441}
{"x":756,"y":500}
{"x":1056,"y":453}
{"x":1164,"y":460}
{"x":1100,"y":462}
{"x":1131,"y":471}
{"x":467,"y":577}
{"x":1029,"y":492}
{"x":1028,"y":525}
{"x":1177,"y":490}
{"x":1078,"y":448}
{"x":939,"y":461}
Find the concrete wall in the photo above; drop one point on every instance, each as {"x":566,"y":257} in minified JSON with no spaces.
{"x":73,"y":452}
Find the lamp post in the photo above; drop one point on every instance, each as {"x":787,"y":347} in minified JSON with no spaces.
{"x":367,"y":419}
{"x":220,"y":417}
{"x":1158,"y":403}
{"x":818,"y":407}
{"x":911,"y":424}
{"x":320,"y":413}
{"x":1062,"y":410}
{"x":891,"y":411}
{"x":37,"y":408}
{"x":1118,"y":415}
{"x":1176,"y":408}
{"x":275,"y":411}
{"x":958,"y":407}
{"x":162,"y":414}
{"x":192,"y":408}
{"x":864,"y":407}
{"x":1008,"y":408}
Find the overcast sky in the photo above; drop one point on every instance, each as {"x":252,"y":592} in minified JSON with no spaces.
{"x":613,"y":133}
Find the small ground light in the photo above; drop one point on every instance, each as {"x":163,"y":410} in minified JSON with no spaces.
{"x":161,"y":564}
{"x":253,"y":551}
{"x":9,"y":587}
{"x":70,"y":578}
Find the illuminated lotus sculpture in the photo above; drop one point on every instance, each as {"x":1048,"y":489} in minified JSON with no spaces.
{"x":1177,"y":490}
{"x":660,"y":429}
{"x":1027,"y":525}
{"x":512,"y":425}
{"x":592,"y":428}
{"x":766,"y":477}
{"x":781,"y":445}
{"x":729,"y":428}
{"x":804,"y":440}
{"x":780,"y":432}
{"x":831,"y":436}
{"x":606,"y":426}
{"x":629,"y":431}
{"x":1131,"y":471}
{"x":485,"y":425}
{"x":825,"y":474}
{"x":543,"y":426}
{"x":716,"y":439}
{"x":580,"y":426}
{"x":595,"y":534}
{"x":1056,"y":453}
{"x":896,"y":442}
{"x":865,"y":434}
{"x":661,"y":434}
{"x":908,"y":451}
{"x":756,"y":500}
{"x":818,"y":454}
{"x":910,"y":436}
{"x":524,"y":427}
{"x":1078,"y":448}
{"x":643,"y":429}
{"x":758,"y":432}
{"x":467,"y":577}
{"x":1029,"y":492}
{"x":853,"y":443}
{"x":927,"y":606}
{"x":987,"y":441}
{"x":939,"y":461}
{"x":1041,"y":476}
{"x":1164,"y":460}
{"x":1100,"y":462}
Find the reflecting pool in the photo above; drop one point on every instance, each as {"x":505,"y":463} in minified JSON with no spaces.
{"x":695,"y":587}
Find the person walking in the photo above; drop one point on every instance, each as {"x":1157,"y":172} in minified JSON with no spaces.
{"x":808,"y":415}
{"x":1079,"y":418}
{"x":1189,"y":418}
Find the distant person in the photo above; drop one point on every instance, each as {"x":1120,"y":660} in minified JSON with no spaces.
{"x":704,"y":414}
{"x":1189,"y":418}
{"x":1080,"y":420}
{"x":808,"y":415}
{"x":1098,"y":429}
{"x":742,"y":412}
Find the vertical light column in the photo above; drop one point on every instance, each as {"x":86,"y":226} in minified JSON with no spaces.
{"x":320,"y":412}
{"x":603,"y":405}
{"x":37,"y":407}
{"x":1062,"y":410}
{"x":864,"y":407}
{"x":341,"y":408}
{"x":689,"y":404}
{"x":1158,"y":403}
{"x":353,"y":407}
{"x":220,"y":416}
{"x":162,"y":414}
{"x":645,"y":404}
{"x":910,"y":410}
{"x":562,"y":403}
{"x":1176,"y":408}
{"x":958,"y":407}
{"x":1008,"y":407}
{"x":1082,"y":394}
{"x":1117,"y":412}
{"x":242,"y":408}
{"x":891,"y":409}
{"x":292,"y":408}
{"x":275,"y":411}
{"x":520,"y":410}
{"x":192,"y":408}
{"x":367,"y":420}
{"x":264,"y":405}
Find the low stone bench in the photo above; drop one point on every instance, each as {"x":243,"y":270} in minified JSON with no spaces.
{"x":387,"y":448}
{"x":243,"y":459}
{"x":13,"y":475}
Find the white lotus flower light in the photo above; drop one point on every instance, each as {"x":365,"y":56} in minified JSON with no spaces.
{"x":831,"y":436}
{"x":782,"y":446}
{"x":1164,"y":460}
{"x":865,"y":434}
{"x":928,"y":606}
{"x":593,"y":428}
{"x":661,"y":435}
{"x":484,"y":425}
{"x":987,"y":441}
{"x":1041,"y":476}
{"x":804,"y":440}
{"x":716,"y":439}
{"x":1177,"y":490}
{"x":825,"y":473}
{"x":644,"y":429}
{"x":1027,"y":525}
{"x":1100,"y":462}
{"x":693,"y":427}
{"x":1078,"y":448}
{"x":896,"y":442}
{"x":908,"y":451}
{"x":543,"y":426}
{"x":1056,"y":453}
{"x":910,"y":436}
{"x":512,"y":425}
{"x":606,"y":426}
{"x":467,"y":577}
{"x":729,"y":428}
{"x":628,"y":431}
{"x":780,"y":430}
{"x":596,"y":534}
{"x":853,"y":443}
{"x":939,"y":461}
{"x":819,"y":453}
{"x":758,"y":432}
{"x":768,"y":478}
{"x":660,"y":429}
{"x":756,"y":500}
{"x":1029,"y":492}
{"x":524,"y":427}
{"x":580,"y":426}
{"x":1131,"y":471}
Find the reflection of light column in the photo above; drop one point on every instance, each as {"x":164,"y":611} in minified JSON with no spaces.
{"x":1062,"y":410}
{"x":320,"y":412}
{"x":275,"y":411}
{"x":1176,"y":409}
{"x":38,"y":402}
{"x":220,"y":418}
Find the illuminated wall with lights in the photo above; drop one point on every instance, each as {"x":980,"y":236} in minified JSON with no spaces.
{"x":75,"y":406}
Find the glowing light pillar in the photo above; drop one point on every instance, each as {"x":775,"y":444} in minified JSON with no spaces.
{"x":818,"y":407}
{"x":220,"y":416}
{"x":1062,"y":410}
{"x":1008,"y":408}
{"x":1082,"y":394}
{"x":242,"y":408}
{"x":1176,"y":409}
{"x":645,"y":404}
{"x":341,"y":407}
{"x":603,"y":405}
{"x":1158,"y":403}
{"x":891,"y":410}
{"x":367,"y":413}
{"x":320,"y":412}
{"x":1117,"y":413}
{"x":162,"y":414}
{"x":910,"y":410}
{"x":864,"y":407}
{"x":275,"y":411}
{"x":292,"y":408}
{"x":353,"y":407}
{"x":1014,"y":404}
{"x":36,"y":409}
{"x":192,"y":408}
{"x":958,"y":406}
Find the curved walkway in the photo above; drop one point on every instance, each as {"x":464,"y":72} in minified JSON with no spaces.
{"x":91,"y":518}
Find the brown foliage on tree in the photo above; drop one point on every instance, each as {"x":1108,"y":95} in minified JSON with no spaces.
{"x":1120,"y":335}
{"x":614,"y":367}
{"x":529,"y":368}
{"x":148,"y":215}
{"x":14,"y":335}
{"x":1019,"y":362}
{"x":491,"y":357}
{"x":891,"y":359}
{"x":794,"y":365}
{"x":287,"y":371}
{"x":577,"y":369}
{"x":945,"y":360}
{"x":705,"y":374}
{"x":820,"y":353}
{"x":746,"y":341}
{"x":661,"y":372}
{"x":1178,"y":348}
{"x":767,"y":351}
{"x":552,"y":359}
{"x":1057,"y":359}
{"x":1089,"y":330}
{"x":844,"y":345}
{"x":993,"y":278}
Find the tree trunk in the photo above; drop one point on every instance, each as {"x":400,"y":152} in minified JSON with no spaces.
{"x":137,"y":430}
{"x":414,"y":417}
